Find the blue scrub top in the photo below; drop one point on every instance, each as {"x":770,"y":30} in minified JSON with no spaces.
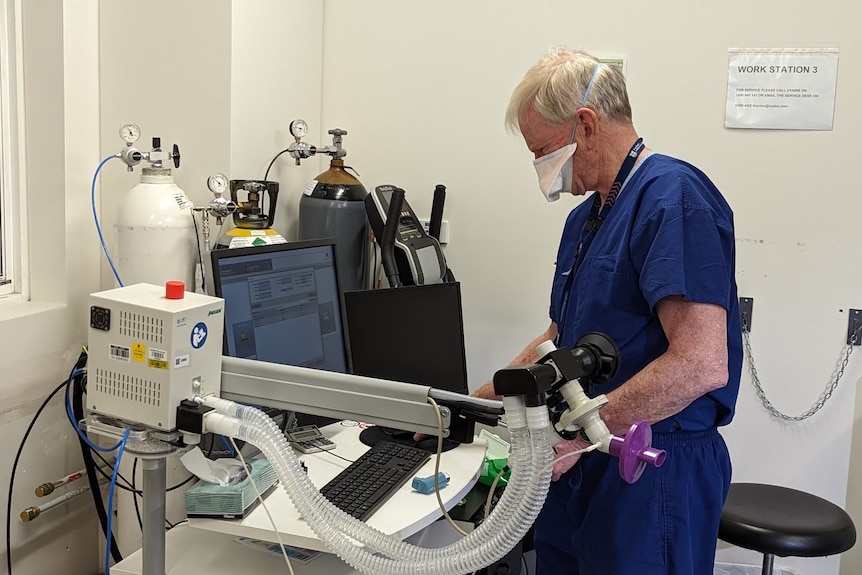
{"x":670,"y":232}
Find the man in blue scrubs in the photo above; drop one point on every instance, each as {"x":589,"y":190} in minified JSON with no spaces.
{"x":649,"y":260}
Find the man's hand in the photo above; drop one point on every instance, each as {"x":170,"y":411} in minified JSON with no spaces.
{"x":563,"y":464}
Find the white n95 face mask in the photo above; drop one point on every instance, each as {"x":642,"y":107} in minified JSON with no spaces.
{"x":555,"y":172}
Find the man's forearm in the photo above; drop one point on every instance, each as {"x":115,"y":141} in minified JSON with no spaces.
{"x":662,"y":389}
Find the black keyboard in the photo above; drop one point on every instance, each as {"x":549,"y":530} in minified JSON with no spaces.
{"x":372,"y":479}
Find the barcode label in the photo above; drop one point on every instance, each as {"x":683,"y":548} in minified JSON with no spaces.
{"x":120,"y":353}
{"x":299,"y":554}
{"x":158,"y":354}
{"x":182,"y":200}
{"x":156,"y":364}
{"x":310,"y":187}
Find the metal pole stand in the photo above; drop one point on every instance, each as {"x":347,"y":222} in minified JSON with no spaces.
{"x":153,"y":455}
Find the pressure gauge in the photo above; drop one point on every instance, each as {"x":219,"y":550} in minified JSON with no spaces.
{"x":298,"y":128}
{"x":217,"y":183}
{"x":130,"y":133}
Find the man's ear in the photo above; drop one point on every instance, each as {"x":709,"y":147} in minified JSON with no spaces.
{"x":588,"y":119}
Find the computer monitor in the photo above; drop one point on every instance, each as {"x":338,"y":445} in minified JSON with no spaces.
{"x":413,"y":334}
{"x":283,"y":304}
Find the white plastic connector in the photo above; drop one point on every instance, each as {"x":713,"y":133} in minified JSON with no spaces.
{"x":537,"y":417}
{"x":444,"y":230}
{"x":545,"y":348}
{"x":221,"y":424}
{"x":516,"y":416}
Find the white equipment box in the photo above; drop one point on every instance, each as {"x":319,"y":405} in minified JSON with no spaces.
{"x":149,"y":352}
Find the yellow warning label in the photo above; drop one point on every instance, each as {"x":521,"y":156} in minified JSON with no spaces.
{"x":157,"y":364}
{"x":139,"y":351}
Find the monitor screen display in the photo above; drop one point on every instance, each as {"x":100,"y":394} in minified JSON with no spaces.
{"x":413,"y":334}
{"x":283,"y":304}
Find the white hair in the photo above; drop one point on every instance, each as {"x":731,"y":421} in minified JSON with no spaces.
{"x":556,"y":84}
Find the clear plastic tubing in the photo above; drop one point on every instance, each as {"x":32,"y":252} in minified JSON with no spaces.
{"x":382,"y":554}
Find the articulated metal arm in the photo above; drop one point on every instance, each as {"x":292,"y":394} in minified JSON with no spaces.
{"x":343,"y":396}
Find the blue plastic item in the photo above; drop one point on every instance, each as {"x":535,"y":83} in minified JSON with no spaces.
{"x":426,"y":484}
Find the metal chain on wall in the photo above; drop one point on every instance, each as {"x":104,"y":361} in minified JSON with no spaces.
{"x":824,"y":396}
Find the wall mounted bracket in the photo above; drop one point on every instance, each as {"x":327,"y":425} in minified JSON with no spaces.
{"x":746,"y":312}
{"x":854,"y":325}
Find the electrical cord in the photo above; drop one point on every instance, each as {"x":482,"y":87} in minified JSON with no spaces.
{"x":139,"y":493}
{"x":490,"y":500}
{"x":127,"y":487}
{"x":135,"y":495}
{"x":437,"y":468}
{"x":587,"y":449}
{"x":15,"y":469}
{"x":111,"y":490}
{"x":79,"y":385}
{"x":336,"y":455}
{"x":177,"y":524}
{"x":81,"y":434}
{"x":263,"y":503}
{"x":180,"y":484}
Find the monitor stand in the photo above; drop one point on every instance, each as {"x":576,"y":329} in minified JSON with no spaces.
{"x":373,"y":435}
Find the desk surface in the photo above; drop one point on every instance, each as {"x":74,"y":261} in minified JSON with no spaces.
{"x":197,"y":552}
{"x":406,"y":513}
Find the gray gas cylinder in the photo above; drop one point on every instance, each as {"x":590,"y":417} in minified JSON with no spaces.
{"x":333,"y":207}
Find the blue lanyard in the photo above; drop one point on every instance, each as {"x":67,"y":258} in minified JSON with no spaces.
{"x":598,"y":214}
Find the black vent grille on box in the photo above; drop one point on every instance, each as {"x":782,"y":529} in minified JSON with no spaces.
{"x":142,"y":327}
{"x":135,"y":389}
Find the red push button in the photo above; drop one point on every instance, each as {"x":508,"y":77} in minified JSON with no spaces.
{"x":175,"y":290}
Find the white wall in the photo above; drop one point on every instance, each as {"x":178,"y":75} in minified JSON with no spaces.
{"x":222,"y":80}
{"x":165,"y":66}
{"x":275,"y":78}
{"x":42,"y":338}
{"x":423,"y":89}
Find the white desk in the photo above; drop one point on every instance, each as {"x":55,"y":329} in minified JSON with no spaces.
{"x":405,"y":514}
{"x":196,"y":552}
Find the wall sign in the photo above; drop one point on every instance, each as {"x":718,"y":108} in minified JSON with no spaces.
{"x":781,"y":89}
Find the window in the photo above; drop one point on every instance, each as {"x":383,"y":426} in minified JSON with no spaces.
{"x":10,"y":147}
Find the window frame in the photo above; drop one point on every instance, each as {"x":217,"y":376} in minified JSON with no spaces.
{"x":12,"y":189}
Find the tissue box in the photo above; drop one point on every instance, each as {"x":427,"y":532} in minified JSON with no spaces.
{"x":208,"y":500}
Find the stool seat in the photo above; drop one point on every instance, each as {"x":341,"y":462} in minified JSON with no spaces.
{"x":784,"y":522}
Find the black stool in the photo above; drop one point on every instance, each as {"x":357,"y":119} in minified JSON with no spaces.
{"x":785,"y":522}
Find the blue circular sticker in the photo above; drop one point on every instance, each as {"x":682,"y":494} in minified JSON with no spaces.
{"x":199,"y":335}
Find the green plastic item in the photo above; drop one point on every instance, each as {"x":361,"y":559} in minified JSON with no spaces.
{"x":496,"y":458}
{"x":490,"y":469}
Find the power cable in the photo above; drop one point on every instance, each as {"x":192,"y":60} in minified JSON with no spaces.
{"x":77,"y":414}
{"x":78,"y":365}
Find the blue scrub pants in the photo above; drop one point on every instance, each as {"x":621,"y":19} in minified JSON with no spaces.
{"x":666,"y":523}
